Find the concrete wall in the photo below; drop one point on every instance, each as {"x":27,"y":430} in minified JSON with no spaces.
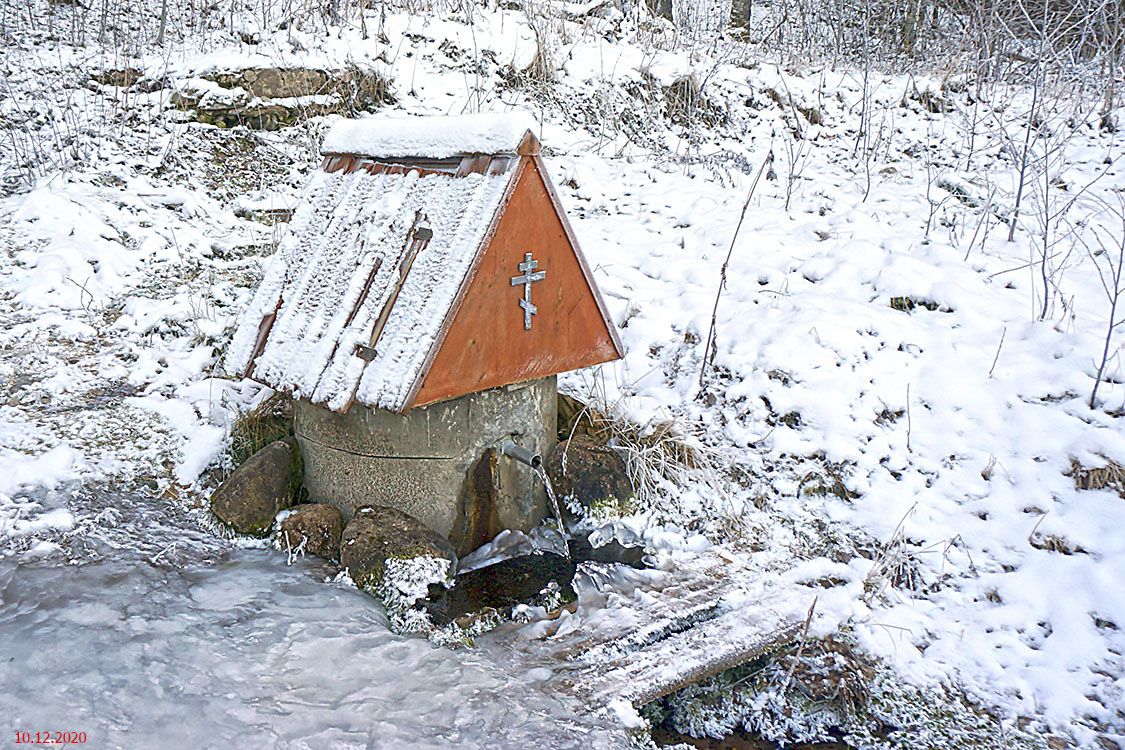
{"x":421,"y":462}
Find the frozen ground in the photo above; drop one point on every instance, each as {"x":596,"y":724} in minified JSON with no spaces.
{"x":910,"y":464}
{"x":203,"y":644}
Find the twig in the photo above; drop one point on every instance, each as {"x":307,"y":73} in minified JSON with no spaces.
{"x":998,"y":347}
{"x":709,"y":349}
{"x":800,"y":646}
{"x":908,"y":420}
{"x":1035,"y":528}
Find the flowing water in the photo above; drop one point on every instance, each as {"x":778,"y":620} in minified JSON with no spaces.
{"x":546,"y":480}
{"x":144,"y":629}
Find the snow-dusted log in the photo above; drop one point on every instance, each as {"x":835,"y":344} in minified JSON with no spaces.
{"x":687,"y":646}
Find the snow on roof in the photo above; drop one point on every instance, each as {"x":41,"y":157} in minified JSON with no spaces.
{"x":350,"y":234}
{"x":430,"y":137}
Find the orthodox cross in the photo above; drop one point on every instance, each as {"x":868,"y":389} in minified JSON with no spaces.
{"x":528,"y":266}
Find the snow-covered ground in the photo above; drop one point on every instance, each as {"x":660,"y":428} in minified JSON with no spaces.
{"x":200,"y":645}
{"x":913,"y":463}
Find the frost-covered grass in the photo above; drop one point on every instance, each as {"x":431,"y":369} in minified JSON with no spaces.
{"x":917,"y":463}
{"x":826,"y":692}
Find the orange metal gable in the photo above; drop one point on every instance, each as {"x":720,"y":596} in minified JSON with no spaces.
{"x":486,"y":343}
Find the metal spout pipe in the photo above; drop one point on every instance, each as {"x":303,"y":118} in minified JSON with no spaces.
{"x":523,"y":455}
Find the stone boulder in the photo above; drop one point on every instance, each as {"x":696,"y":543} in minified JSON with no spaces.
{"x":260,"y":488}
{"x":318,"y":525}
{"x":503,"y":585}
{"x":273,"y":98}
{"x":609,"y":552}
{"x":276,"y":83}
{"x":590,"y":481}
{"x":377,"y":534}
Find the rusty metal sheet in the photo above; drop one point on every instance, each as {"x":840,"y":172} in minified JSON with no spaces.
{"x":473,"y":164}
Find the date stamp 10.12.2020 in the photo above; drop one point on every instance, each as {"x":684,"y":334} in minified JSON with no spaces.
{"x":50,"y":738}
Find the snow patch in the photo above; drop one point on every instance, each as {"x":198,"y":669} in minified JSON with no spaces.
{"x":430,"y":137}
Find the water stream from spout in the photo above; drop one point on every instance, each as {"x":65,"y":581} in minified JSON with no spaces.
{"x":542,"y":474}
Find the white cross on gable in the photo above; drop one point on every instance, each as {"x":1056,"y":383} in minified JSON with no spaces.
{"x":528,"y":267}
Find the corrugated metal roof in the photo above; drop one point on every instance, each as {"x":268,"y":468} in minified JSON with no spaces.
{"x":354,"y":300}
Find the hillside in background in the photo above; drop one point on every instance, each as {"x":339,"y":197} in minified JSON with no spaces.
{"x":867,"y":265}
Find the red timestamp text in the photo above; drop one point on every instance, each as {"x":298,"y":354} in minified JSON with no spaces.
{"x":50,"y":738}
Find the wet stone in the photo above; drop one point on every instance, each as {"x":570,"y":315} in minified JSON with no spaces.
{"x":264,"y":485}
{"x":503,"y":585}
{"x":610,"y":552}
{"x":590,"y":480}
{"x":318,"y":526}
{"x":377,"y":534}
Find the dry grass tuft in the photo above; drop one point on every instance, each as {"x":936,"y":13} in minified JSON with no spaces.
{"x":896,"y":565}
{"x":1108,"y":477}
{"x":1055,"y":543}
{"x":830,"y":672}
{"x":661,"y":456}
{"x":255,"y":429}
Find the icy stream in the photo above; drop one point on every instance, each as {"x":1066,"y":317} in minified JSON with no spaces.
{"x":198,"y":643}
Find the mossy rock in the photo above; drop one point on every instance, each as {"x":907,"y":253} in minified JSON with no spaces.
{"x":266,"y":484}
{"x":378,"y":533}
{"x":590,"y":480}
{"x":318,"y":526}
{"x":503,"y":585}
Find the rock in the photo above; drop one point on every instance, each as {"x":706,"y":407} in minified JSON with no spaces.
{"x":266,"y":484}
{"x":119,"y":77}
{"x":503,"y":585}
{"x":612,"y":551}
{"x":318,"y":525}
{"x":590,"y":481}
{"x":377,"y":533}
{"x":273,"y":98}
{"x":275,"y":83}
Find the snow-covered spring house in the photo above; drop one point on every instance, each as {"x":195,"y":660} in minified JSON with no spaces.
{"x":429,"y":290}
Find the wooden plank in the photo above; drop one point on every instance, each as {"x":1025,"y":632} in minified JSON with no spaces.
{"x":649,"y":608}
{"x":655,"y":631}
{"x":692,"y":655}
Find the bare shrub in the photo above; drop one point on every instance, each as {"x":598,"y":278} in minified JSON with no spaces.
{"x":1109,"y":261}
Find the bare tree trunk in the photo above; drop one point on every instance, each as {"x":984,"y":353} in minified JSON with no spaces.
{"x":1114,"y":289}
{"x":1111,"y":326}
{"x":101,"y":24}
{"x":662,"y":8}
{"x":1032,"y":118}
{"x":740,"y":13}
{"x":163,"y":23}
{"x":1112,"y":47}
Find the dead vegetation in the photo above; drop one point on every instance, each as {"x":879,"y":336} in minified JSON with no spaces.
{"x":1108,"y":477}
{"x":255,"y":429}
{"x":828,"y":479}
{"x":828,"y":690}
{"x":663,"y":458}
{"x":659,"y":447}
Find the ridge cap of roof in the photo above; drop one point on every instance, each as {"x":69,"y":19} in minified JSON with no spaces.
{"x":444,"y":137}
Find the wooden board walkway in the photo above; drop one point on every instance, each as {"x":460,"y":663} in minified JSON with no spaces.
{"x":654,"y":641}
{"x":661,"y":659}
